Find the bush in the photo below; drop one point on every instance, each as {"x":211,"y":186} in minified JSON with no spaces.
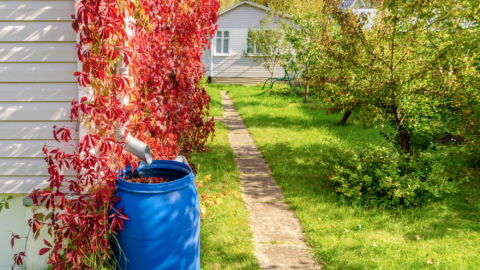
{"x":377,"y":176}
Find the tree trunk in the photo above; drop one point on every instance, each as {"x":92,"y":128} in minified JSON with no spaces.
{"x":273,"y":71}
{"x":405,"y":141}
{"x":306,"y":90}
{"x":404,"y":136}
{"x":345,"y":117}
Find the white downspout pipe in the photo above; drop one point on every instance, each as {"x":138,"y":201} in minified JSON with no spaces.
{"x":130,"y":144}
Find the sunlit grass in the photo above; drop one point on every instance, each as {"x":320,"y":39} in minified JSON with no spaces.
{"x":216,"y":108}
{"x":292,"y":136}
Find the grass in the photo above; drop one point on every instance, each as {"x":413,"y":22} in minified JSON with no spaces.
{"x":226,"y":237}
{"x":216,"y":108}
{"x":292,"y":135}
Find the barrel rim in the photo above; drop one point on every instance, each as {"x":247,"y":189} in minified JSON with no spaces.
{"x":161,"y":187}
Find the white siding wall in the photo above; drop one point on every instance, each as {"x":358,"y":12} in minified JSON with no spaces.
{"x":37,"y":59}
{"x":243,"y":16}
{"x":238,"y":20}
{"x":207,"y":60}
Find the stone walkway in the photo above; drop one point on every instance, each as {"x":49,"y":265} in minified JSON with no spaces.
{"x":278,"y":236}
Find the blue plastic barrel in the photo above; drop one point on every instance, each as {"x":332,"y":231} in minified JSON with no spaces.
{"x":164,"y":227}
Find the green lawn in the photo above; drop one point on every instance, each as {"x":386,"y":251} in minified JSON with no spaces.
{"x":226,"y":238}
{"x":292,"y":135}
{"x":216,"y":108}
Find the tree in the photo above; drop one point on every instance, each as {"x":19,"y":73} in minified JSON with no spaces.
{"x":307,"y":54}
{"x":403,"y":65}
{"x":266,"y":44}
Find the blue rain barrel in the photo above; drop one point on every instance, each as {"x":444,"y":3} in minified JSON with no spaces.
{"x":164,"y":227}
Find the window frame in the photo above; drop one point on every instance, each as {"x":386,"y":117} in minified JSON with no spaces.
{"x":215,"y":53}
{"x":246,"y":45}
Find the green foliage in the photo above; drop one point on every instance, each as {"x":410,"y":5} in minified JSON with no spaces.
{"x":307,"y":55}
{"x":5,"y":202}
{"x":203,"y":82}
{"x":405,"y":65}
{"x":378,"y":176}
{"x":215,"y":106}
{"x":266,"y":44}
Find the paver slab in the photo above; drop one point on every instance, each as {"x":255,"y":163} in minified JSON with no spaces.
{"x":232,"y":123}
{"x":240,"y":138}
{"x":252,"y":166}
{"x":273,"y":222}
{"x":283,"y":257}
{"x":260,"y":188}
{"x":233,"y":117}
{"x":245,"y":150}
{"x":239,"y":130}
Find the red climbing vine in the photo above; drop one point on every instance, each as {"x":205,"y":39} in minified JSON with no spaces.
{"x":160,"y":42}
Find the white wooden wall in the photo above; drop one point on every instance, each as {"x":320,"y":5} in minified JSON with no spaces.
{"x":238,"y":20}
{"x":37,"y":60}
{"x":207,"y":60}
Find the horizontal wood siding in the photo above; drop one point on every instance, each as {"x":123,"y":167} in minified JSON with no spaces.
{"x":37,"y":86}
{"x":37,"y":72}
{"x":27,"y":148}
{"x":35,"y":10}
{"x":38,"y":92}
{"x":25,"y":167}
{"x":244,"y":16}
{"x":238,"y":65}
{"x":42,"y":111}
{"x":238,"y":20}
{"x":15,"y":184}
{"x":32,"y":130}
{"x":36,"y":31}
{"x":37,"y":52}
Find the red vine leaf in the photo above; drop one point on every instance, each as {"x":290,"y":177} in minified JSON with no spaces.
{"x":43,"y":251}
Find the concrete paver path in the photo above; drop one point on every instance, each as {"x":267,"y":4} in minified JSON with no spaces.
{"x":278,"y":236}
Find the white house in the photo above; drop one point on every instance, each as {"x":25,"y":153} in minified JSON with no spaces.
{"x":37,"y":60}
{"x":225,"y":61}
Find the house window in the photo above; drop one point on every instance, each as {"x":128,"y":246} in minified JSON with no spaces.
{"x":223,"y":42}
{"x":251,"y":47}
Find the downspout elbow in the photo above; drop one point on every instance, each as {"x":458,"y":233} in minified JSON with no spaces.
{"x":133,"y":145}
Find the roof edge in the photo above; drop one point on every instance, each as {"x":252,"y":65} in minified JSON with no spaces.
{"x":253,"y":5}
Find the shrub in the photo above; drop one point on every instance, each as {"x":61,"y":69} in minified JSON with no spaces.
{"x":377,"y":176}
